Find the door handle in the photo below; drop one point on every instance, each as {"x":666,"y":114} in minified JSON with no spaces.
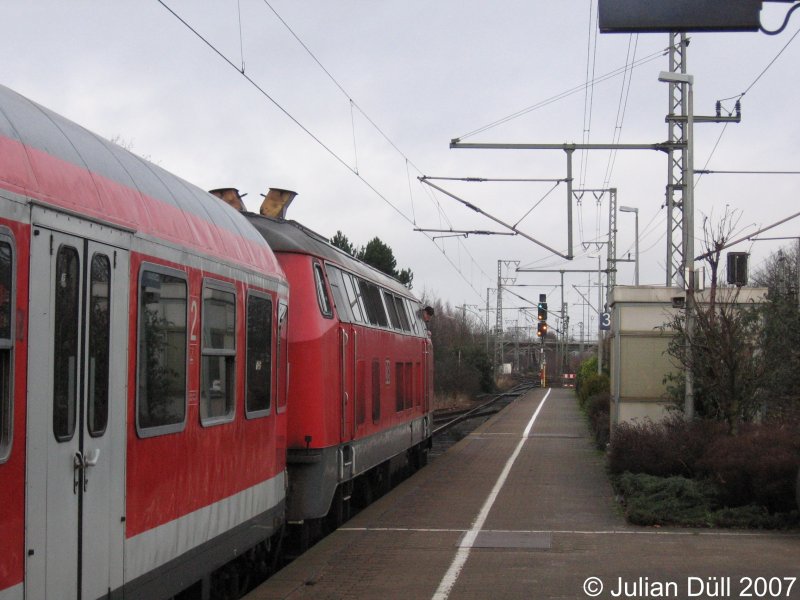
{"x":90,"y":458}
{"x":81,"y":463}
{"x":77,"y":471}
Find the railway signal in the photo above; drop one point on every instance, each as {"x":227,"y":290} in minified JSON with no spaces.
{"x":541,"y":326}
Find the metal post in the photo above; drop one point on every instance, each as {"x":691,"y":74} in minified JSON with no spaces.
{"x":688,"y":249}
{"x":569,"y":152}
{"x":676,"y":161}
{"x":687,"y":262}
{"x":611,"y":276}
{"x":635,"y":211}
{"x":636,"y":249}
{"x":599,"y":310}
{"x":487,"y":320}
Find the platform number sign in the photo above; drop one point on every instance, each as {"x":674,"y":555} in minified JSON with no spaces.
{"x":605,"y":321}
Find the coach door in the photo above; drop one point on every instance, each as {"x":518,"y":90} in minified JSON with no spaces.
{"x":76,"y":415}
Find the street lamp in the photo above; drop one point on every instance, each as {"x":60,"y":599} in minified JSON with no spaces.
{"x":688,"y":228}
{"x":635,"y":211}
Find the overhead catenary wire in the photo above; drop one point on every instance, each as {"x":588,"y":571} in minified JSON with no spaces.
{"x":622,"y":107}
{"x":738,"y":97}
{"x":564,"y":94}
{"x":354,"y":105}
{"x":588,"y":97}
{"x":280,"y":107}
{"x":338,"y":85}
{"x":313,"y":136}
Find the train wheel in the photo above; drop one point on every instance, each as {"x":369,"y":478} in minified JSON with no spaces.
{"x":336,"y":514}
{"x":420,"y":456}
{"x":363,"y":491}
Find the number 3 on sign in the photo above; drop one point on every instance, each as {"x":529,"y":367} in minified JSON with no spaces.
{"x":605,"y":321}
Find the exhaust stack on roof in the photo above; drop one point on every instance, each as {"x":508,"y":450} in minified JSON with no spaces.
{"x":229,"y":196}
{"x":276,"y":202}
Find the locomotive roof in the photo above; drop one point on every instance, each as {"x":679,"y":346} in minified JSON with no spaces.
{"x":61,"y":164}
{"x":285,"y":235}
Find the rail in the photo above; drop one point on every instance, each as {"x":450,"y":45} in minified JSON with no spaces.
{"x":477,"y":411}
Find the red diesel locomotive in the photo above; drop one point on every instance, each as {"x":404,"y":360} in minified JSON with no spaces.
{"x":142,"y":371}
{"x":362,"y":372}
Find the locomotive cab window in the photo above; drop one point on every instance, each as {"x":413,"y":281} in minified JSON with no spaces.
{"x":401,"y":312}
{"x":390,"y":306}
{"x":353,"y":297}
{"x":282,"y":357}
{"x":6,"y":342}
{"x":218,"y":362}
{"x":259,"y":355}
{"x":323,"y":299}
{"x":376,"y":313}
{"x":335,"y":280}
{"x":161,"y":397}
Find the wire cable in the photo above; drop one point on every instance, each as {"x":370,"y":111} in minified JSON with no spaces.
{"x":291,"y":117}
{"x":588,"y":98}
{"x":624,"y":95}
{"x":785,"y":22}
{"x":564,"y":94}
{"x":740,"y":96}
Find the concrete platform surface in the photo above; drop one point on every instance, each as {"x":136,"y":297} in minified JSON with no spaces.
{"x":522,"y":508}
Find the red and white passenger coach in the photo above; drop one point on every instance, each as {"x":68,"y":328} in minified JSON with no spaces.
{"x":143,"y":371}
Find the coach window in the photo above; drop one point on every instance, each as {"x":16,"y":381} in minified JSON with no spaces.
{"x":65,"y":342}
{"x":6,"y":342}
{"x":259,"y":354}
{"x":322,"y":293}
{"x":161,"y":400}
{"x":99,"y":306}
{"x":218,"y":362}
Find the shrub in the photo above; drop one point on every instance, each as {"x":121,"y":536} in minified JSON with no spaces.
{"x":690,"y":502}
{"x":757,"y":466}
{"x":665,"y":448}
{"x":591,"y":386}
{"x":598,"y":412}
{"x":653,"y":500}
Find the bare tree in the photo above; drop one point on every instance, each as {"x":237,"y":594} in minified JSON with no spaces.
{"x":722,"y":349}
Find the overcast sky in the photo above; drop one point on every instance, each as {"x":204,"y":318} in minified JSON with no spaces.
{"x":400,"y":80}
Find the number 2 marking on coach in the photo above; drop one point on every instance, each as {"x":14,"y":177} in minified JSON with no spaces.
{"x":194,"y":315}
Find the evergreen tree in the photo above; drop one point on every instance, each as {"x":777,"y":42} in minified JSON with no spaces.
{"x":376,"y":254}
{"x":340,"y":241}
{"x":380,"y":256}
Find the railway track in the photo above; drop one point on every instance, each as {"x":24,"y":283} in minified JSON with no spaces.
{"x":451,"y":426}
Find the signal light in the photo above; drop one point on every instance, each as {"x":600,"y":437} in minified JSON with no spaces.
{"x":541,"y":329}
{"x":542,"y":308}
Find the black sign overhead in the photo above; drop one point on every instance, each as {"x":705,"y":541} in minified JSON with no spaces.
{"x":631,"y":16}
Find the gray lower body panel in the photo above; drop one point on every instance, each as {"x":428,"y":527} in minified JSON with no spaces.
{"x":314,"y":474}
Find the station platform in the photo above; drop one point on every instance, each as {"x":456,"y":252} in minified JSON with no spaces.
{"x":522,"y":508}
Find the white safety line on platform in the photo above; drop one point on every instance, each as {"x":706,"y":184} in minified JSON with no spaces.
{"x":587,"y":532}
{"x":450,"y":578}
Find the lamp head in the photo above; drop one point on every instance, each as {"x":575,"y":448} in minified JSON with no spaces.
{"x":673,"y":77}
